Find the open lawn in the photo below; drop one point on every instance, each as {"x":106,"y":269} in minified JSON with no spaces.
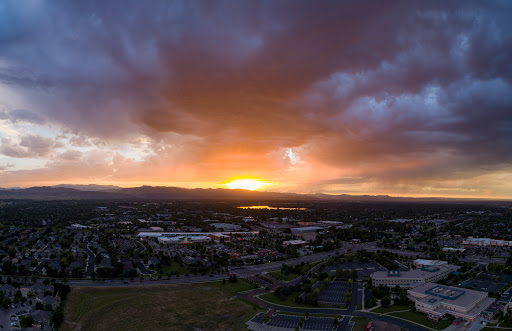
{"x":383,"y":310}
{"x":361,"y":323}
{"x":286,"y":277}
{"x":206,"y":306}
{"x":421,"y":318}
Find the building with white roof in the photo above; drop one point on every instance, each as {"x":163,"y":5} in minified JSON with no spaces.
{"x":440,"y":300}
{"x":486,"y":242}
{"x":306,"y":229}
{"x":294,"y":243}
{"x":226,"y":226}
{"x":420,"y":263}
{"x":183,"y":239}
{"x":411,"y":278}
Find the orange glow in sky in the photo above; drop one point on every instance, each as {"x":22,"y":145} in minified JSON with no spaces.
{"x":246,"y":184}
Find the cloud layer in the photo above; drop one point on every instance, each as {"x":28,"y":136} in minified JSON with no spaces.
{"x":343,"y":97}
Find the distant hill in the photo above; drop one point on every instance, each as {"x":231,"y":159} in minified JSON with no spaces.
{"x":101,"y":192}
{"x":56,"y":193}
{"x":89,"y":187}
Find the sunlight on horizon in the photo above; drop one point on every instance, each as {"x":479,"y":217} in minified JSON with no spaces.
{"x":250,"y":184}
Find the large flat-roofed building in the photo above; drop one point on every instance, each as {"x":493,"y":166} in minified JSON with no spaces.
{"x":439,"y":300}
{"x":184,"y":239}
{"x":486,"y":242}
{"x":420,"y":263}
{"x":226,"y":226}
{"x":412,"y":278}
{"x":306,"y":229}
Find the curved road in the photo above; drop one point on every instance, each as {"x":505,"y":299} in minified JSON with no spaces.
{"x":350,"y":312}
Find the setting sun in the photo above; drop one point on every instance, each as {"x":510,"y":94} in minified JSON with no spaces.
{"x":246,"y":184}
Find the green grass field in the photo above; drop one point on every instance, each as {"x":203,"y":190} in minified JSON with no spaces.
{"x":206,"y":306}
{"x":361,"y":323}
{"x":277,"y":274}
{"x":421,"y":318}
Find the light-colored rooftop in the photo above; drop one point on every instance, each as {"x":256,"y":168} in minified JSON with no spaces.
{"x":449,"y":295}
{"x":412,"y":274}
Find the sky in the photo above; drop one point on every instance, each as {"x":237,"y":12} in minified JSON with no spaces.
{"x":405,"y":98}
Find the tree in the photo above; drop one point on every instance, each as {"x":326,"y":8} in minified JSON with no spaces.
{"x":386,"y":301}
{"x":26,"y":322}
{"x":403,"y":297}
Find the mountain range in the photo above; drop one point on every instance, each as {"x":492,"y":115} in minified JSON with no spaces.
{"x":110,"y":192}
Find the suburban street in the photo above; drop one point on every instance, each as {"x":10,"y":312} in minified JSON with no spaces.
{"x":90,"y":259}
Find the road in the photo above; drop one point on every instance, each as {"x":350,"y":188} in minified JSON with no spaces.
{"x":146,"y":282}
{"x":140,"y":265}
{"x":350,"y":312}
{"x":90,"y":259}
{"x":259,"y":268}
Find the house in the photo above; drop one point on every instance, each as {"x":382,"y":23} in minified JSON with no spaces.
{"x":40,"y":289}
{"x":50,"y":300}
{"x":106,"y":263}
{"x":189,"y":260}
{"x":41,"y":318}
{"x":154,"y":261}
{"x":8,"y":290}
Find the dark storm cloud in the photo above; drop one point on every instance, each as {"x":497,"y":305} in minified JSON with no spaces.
{"x":352,"y":81}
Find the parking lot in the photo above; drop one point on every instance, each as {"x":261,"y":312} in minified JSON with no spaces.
{"x":318,"y":323}
{"x":364,"y":270}
{"x":284,"y":321}
{"x":291,"y":322}
{"x":10,"y":317}
{"x":334,"y":293}
{"x":488,"y":285}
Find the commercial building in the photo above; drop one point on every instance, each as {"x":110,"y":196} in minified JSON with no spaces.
{"x":411,"y":278}
{"x":453,"y":250}
{"x":439,"y":300}
{"x":486,"y":242}
{"x":184,"y":239}
{"x":294,"y":243}
{"x":194,"y":234}
{"x":420,"y":263}
{"x":307,"y":229}
{"x":220,"y":237}
{"x":226,"y":226}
